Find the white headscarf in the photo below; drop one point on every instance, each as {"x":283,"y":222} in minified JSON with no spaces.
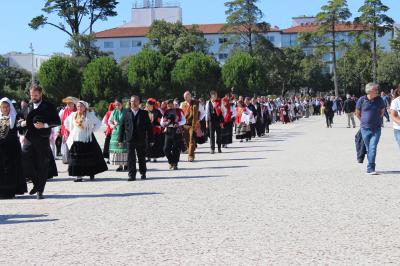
{"x":13,"y":113}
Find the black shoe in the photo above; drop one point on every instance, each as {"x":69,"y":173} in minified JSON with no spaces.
{"x":130,"y":179}
{"x":175,"y":167}
{"x":119,"y":169}
{"x":143,"y":177}
{"x":360,"y":161}
{"x":39,"y":196}
{"x":92,"y":177}
{"x":33,"y":191}
{"x":78,"y":180}
{"x":212,"y":152}
{"x":219,"y":151}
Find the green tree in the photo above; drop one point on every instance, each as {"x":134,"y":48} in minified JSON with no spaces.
{"x":102,"y":80}
{"x":334,"y":13}
{"x":395,"y":43}
{"x":173,"y":39}
{"x":389,"y":69}
{"x":373,"y":15}
{"x":315,"y":74}
{"x":354,"y":67}
{"x":82,"y":45}
{"x":59,"y":78}
{"x":74,"y":15}
{"x":196,"y":72}
{"x":245,"y":73}
{"x":244,"y":19}
{"x":149,"y":73}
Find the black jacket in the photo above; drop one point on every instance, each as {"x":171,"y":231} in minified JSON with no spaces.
{"x":349,"y":106}
{"x":45,"y":113}
{"x":136,"y":129}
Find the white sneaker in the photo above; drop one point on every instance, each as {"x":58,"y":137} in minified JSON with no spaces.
{"x":372,"y":173}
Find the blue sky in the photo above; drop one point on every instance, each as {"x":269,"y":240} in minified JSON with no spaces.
{"x":16,"y":14}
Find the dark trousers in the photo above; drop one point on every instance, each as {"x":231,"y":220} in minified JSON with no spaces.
{"x":329,"y":118}
{"x":361,"y":150}
{"x":215,"y":132}
{"x":138,"y":149}
{"x":172,"y":147}
{"x":36,"y":161}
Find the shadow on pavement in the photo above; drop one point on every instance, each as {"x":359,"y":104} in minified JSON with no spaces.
{"x":184,"y":177}
{"x":26,"y":218}
{"x":227,"y":160}
{"x":201,"y":168}
{"x":389,"y":172}
{"x":107,"y":195}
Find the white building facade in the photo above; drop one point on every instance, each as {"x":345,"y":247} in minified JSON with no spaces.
{"x":125,"y":41}
{"x":28,"y":61}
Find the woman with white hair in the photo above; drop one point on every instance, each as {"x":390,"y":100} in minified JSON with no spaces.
{"x":11,"y":177}
{"x":395,"y":114}
{"x":86,"y":158}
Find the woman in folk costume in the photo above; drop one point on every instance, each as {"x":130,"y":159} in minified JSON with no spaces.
{"x":107,"y":132}
{"x":69,"y":109}
{"x":284,"y":113}
{"x":12,"y":181}
{"x":86,"y":158}
{"x":243,"y":119}
{"x":227,"y":130}
{"x":118,"y":153}
{"x":173,"y":121}
{"x":155,"y":151}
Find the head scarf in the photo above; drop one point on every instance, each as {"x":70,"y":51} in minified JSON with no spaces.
{"x":70,"y":99}
{"x":13,"y":113}
{"x":84,"y":104}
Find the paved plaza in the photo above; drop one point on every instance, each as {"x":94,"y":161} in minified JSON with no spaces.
{"x":296,"y":197}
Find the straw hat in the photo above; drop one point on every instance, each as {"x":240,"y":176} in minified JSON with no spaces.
{"x":70,"y":99}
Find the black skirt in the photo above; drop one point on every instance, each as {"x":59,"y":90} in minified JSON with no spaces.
{"x":227,"y":133}
{"x":106,"y":149}
{"x":12,"y":181}
{"x":156,"y":151}
{"x":86,"y":159}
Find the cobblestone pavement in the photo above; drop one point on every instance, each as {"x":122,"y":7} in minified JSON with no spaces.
{"x":296,"y":197}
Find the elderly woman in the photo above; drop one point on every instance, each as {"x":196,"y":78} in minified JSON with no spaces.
{"x":86,"y":158}
{"x":155,"y":151}
{"x":11,"y":178}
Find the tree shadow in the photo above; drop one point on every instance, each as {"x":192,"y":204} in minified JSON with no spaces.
{"x":106,"y":195}
{"x":184,"y":177}
{"x":227,"y":160}
{"x":389,"y":172}
{"x":24,"y":218}
{"x":201,"y":168}
{"x":252,"y":151}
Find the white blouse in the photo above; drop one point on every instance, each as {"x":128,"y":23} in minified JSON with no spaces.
{"x":90,"y":125}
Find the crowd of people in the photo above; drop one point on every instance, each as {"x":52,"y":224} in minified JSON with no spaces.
{"x":139,"y":132}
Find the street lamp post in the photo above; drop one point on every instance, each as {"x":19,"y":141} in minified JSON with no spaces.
{"x":32,"y":66}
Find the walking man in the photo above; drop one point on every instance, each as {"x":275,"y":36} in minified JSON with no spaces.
{"x":135,"y":128}
{"x":349,"y":109}
{"x":369,"y":110}
{"x":191,"y":110}
{"x":36,"y":152}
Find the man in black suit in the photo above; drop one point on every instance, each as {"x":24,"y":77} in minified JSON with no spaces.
{"x":36,"y":152}
{"x":135,"y":128}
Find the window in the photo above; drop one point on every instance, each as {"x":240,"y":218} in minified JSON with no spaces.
{"x":222,"y":56}
{"x":222,"y":40}
{"x":136,"y":43}
{"x":271,"y":38}
{"x":108,"y":44}
{"x":125,"y":44}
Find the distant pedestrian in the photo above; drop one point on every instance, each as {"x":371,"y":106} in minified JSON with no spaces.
{"x":395,"y":113}
{"x":349,"y":109}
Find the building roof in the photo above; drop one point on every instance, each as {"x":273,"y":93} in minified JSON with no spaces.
{"x":142,"y":31}
{"x":313,"y":28}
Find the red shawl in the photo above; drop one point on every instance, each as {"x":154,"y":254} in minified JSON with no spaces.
{"x":107,"y":117}
{"x":227,"y":105}
{"x":66,"y":113}
{"x":217,"y":107}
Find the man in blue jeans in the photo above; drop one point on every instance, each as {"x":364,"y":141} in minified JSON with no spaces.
{"x":369,"y":110}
